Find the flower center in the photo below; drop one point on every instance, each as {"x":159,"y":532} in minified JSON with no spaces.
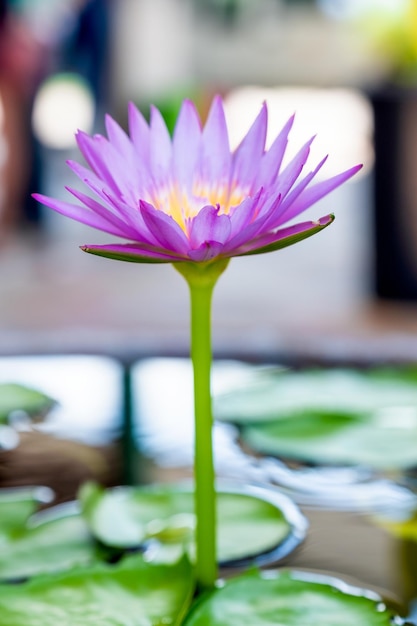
{"x":183,"y":205}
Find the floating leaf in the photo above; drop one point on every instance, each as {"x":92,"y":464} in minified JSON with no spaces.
{"x":382,"y":442}
{"x":341,"y":417}
{"x":43,"y":543}
{"x":14,"y":397}
{"x":274,"y":393}
{"x":18,"y":504}
{"x":288,"y":599}
{"x":129,"y":517}
{"x":133,"y":593}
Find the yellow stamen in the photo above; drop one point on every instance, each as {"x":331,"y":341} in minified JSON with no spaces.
{"x":182,"y":206}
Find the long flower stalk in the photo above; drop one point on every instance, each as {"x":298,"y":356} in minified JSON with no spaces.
{"x":201,"y":279}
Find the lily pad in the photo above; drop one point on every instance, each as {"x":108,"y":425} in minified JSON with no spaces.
{"x":14,"y":397}
{"x":381,"y":442}
{"x":132,"y":517}
{"x":289,"y":599}
{"x":273,"y":393}
{"x":18,"y":504}
{"x":339,"y":417}
{"x":40,"y":543}
{"x":133,"y":593}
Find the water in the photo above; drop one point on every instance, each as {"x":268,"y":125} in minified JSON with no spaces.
{"x":356,"y":514}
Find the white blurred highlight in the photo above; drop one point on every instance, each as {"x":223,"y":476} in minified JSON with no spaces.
{"x":341,"y":119}
{"x":62,"y":104}
{"x":342,"y":9}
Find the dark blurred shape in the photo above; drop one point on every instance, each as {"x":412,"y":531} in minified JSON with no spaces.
{"x":21,"y":61}
{"x":3,"y":11}
{"x":76,"y":38}
{"x":86,"y":49}
{"x":395,"y":193}
{"x":60,"y":464}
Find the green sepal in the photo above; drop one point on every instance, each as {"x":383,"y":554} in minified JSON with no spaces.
{"x":289,"y":241}
{"x":118,"y":256}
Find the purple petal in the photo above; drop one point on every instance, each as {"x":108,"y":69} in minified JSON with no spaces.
{"x":206,"y":252}
{"x":133,"y":171}
{"x":95,"y":183}
{"x":80,"y":214}
{"x":88,"y":177}
{"x":252,"y":229}
{"x":84,"y":173}
{"x":250,"y":150}
{"x":165,"y":229}
{"x":105,"y":161}
{"x":280,"y":214}
{"x":272,"y":159}
{"x":187,"y":143}
{"x":297,"y":191}
{"x":318,"y":191}
{"x":160,"y":148}
{"x":127,"y":213}
{"x":208,"y":225}
{"x":92,"y":148}
{"x":132,"y":252}
{"x":139,"y":132}
{"x":101,"y":190}
{"x":216,"y":158}
{"x":244,"y":213}
{"x":118,"y":138}
{"x":289,"y":175}
{"x":105,"y":213}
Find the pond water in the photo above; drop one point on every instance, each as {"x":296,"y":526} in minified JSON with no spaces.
{"x":362,"y":527}
{"x":362,"y":518}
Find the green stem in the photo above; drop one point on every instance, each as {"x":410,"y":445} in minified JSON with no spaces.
{"x":204,"y":472}
{"x":201,"y":279}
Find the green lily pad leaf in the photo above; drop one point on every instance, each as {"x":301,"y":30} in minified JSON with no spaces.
{"x":18,"y":504}
{"x":133,"y":593}
{"x":14,"y":397}
{"x":42,"y":543}
{"x":274,"y":393}
{"x":341,"y":417}
{"x":288,"y":599}
{"x":131,"y":517}
{"x":382,"y":442}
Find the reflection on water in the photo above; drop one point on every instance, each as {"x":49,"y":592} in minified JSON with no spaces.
{"x":351,"y":510}
{"x":78,"y":438}
{"x":87,"y":390}
{"x":164,"y":432}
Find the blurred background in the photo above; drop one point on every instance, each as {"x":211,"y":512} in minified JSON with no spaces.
{"x":349,"y":70}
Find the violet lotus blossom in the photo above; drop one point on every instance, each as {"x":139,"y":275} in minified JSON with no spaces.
{"x":190,"y":198}
{"x":192,"y":202}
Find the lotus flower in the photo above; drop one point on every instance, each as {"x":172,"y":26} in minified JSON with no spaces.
{"x":190,"y":198}
{"x":192,"y":202}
